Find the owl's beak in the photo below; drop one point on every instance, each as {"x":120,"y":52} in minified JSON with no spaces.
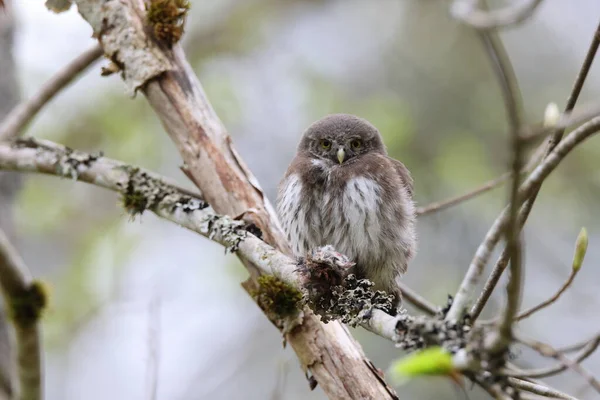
{"x":341,"y":154}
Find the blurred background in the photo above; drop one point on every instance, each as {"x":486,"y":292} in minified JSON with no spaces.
{"x":146,"y":310}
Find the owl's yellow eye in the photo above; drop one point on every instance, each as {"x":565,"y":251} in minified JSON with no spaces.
{"x":326,"y":144}
{"x":356,"y":144}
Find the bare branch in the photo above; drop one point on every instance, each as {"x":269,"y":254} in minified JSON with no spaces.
{"x":511,"y":95}
{"x":514,"y":109}
{"x":161,"y":72}
{"x":539,"y":389}
{"x":16,"y":121}
{"x":417,"y":300}
{"x":504,"y":258}
{"x":587,"y":349}
{"x":442,"y":205}
{"x":539,"y":174}
{"x":142,"y":190}
{"x":467,"y":12}
{"x":552,"y":299}
{"x":25,"y":300}
{"x":490,"y":185}
{"x":548,"y":351}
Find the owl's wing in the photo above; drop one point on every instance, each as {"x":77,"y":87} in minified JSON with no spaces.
{"x":404,"y":175}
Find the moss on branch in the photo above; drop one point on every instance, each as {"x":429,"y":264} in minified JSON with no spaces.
{"x":167,"y":19}
{"x":27,"y":306}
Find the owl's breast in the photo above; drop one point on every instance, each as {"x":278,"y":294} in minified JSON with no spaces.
{"x":351,"y":217}
{"x":347,"y":214}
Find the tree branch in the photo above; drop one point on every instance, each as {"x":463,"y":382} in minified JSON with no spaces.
{"x":141,"y":190}
{"x":587,"y":349}
{"x":548,"y":351}
{"x":16,"y":121}
{"x":504,"y":258}
{"x":467,"y":12}
{"x":511,"y":95}
{"x":159,"y":69}
{"x":539,"y":174}
{"x":539,"y":389}
{"x":25,"y":300}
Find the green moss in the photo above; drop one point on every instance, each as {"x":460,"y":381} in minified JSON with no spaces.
{"x":277,"y":298}
{"x":167,"y":18}
{"x":26,"y":308}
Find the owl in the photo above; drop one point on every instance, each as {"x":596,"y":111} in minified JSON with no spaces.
{"x":342,"y":189}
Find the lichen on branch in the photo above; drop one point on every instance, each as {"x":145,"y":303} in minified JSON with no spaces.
{"x":334,"y":293}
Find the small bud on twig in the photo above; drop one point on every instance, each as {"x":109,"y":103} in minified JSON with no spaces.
{"x":551,"y":115}
{"x":580,"y":249}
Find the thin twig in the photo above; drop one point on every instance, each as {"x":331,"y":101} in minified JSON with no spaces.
{"x":539,"y":174}
{"x":492,"y":184}
{"x":442,"y":205}
{"x":503,"y":260}
{"x":467,"y":12}
{"x":539,"y":389}
{"x":417,"y":300}
{"x":552,"y":299}
{"x":17,"y":286}
{"x":511,"y":95}
{"x":588,"y":348}
{"x":18,"y":118}
{"x":548,"y":351}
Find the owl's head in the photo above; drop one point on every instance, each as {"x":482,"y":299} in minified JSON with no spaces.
{"x":340,"y":139}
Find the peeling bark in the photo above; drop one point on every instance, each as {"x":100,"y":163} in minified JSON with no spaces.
{"x":329,"y":352}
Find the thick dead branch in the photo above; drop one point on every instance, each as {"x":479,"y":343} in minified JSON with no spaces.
{"x":161,"y":71}
{"x":25,"y":300}
{"x":23,"y":113}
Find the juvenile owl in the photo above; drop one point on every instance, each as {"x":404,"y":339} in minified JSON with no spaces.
{"x":342,"y":189}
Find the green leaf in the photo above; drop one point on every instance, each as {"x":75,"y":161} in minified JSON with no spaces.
{"x":431,"y":361}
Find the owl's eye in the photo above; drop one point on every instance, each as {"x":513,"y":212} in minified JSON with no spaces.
{"x":326,"y":144}
{"x":356,"y":144}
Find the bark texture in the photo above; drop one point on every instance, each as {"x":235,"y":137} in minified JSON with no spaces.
{"x":335,"y":360}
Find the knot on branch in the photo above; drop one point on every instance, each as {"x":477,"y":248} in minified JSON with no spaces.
{"x":27,"y":305}
{"x":167,"y":18}
{"x":334,"y":293}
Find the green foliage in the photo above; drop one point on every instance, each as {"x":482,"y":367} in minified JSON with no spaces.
{"x":278,"y":299}
{"x":431,"y":361}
